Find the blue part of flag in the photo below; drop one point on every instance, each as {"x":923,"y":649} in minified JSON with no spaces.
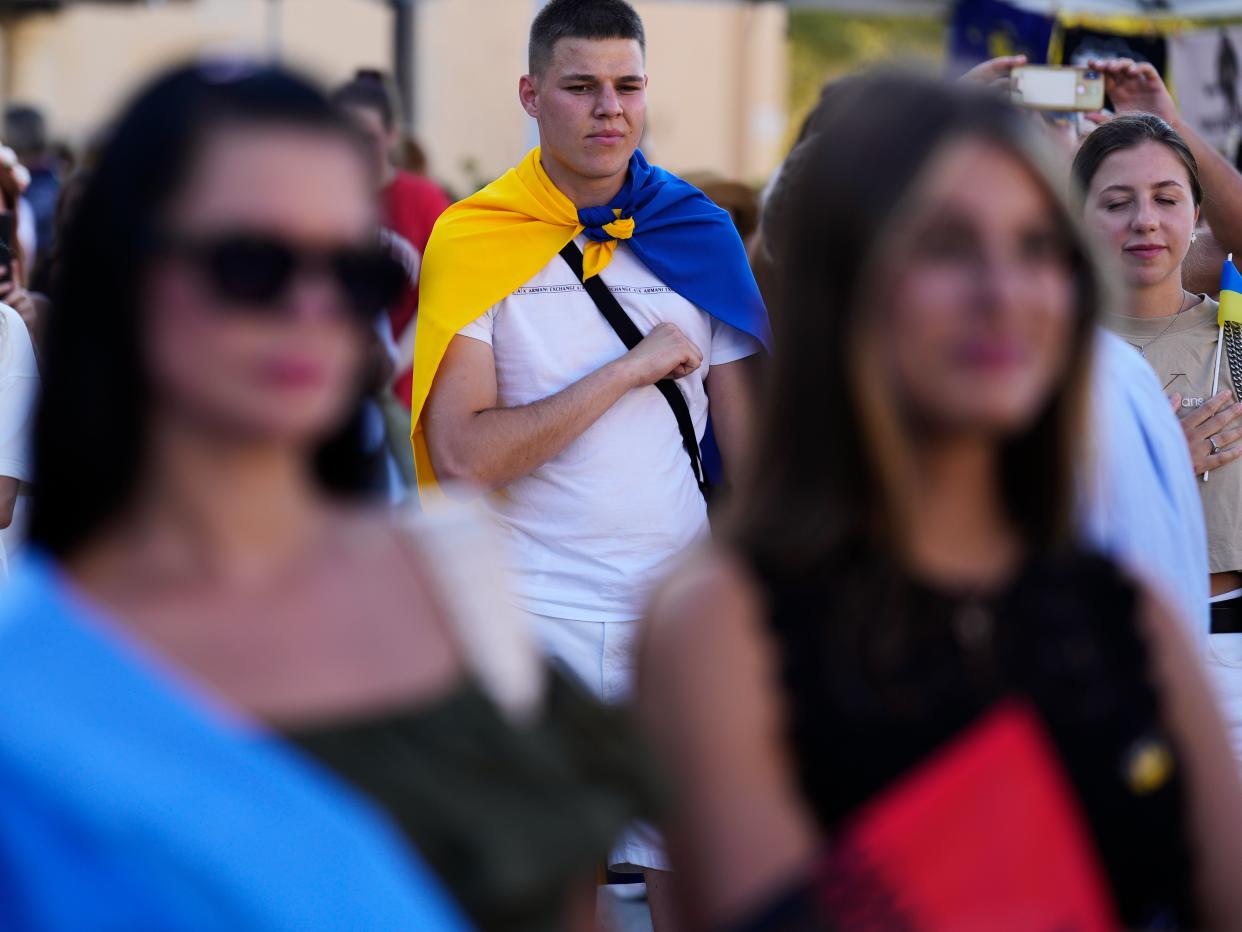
{"x":983,"y":29}
{"x":1230,"y":278}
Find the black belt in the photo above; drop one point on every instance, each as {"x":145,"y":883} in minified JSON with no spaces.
{"x":1227,"y":616}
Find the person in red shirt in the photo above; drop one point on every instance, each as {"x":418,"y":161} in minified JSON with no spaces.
{"x":410,"y":205}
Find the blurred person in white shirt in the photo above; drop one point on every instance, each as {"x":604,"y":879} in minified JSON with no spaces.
{"x":19,"y":382}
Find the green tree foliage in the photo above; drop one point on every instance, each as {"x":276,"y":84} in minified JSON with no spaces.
{"x":824,"y":46}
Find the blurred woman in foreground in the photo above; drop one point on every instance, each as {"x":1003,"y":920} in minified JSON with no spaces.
{"x":940,"y":709}
{"x":220,"y":635}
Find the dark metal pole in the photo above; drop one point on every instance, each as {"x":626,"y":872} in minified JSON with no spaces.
{"x":404,"y":36}
{"x":275,"y":29}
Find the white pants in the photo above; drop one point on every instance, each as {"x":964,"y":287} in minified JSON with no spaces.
{"x":1224,"y":663}
{"x":601,"y":655}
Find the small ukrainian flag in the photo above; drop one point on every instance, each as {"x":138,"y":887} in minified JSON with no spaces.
{"x":1229,"y":315}
{"x":1230,"y":294}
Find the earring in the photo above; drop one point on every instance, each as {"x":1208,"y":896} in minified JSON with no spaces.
{"x":1194,"y":237}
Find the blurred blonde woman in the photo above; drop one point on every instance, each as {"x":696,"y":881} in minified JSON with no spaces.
{"x":902,"y":601}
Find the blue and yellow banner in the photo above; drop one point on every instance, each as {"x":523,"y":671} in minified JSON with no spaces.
{"x":983,"y":29}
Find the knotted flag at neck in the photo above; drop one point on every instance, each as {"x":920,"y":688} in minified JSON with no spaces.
{"x":486,"y":247}
{"x":604,"y":227}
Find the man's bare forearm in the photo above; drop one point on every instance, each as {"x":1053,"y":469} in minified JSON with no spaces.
{"x":8,"y":500}
{"x":730,"y":394}
{"x":1222,"y":189}
{"x":1201,"y":269}
{"x":499,"y":445}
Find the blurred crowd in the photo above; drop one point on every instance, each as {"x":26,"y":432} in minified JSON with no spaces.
{"x":865,"y":552}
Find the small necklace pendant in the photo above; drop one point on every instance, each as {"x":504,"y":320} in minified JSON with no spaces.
{"x":974,"y":628}
{"x":972,"y":623}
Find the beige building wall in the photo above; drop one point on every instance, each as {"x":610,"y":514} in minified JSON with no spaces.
{"x":718,"y":88}
{"x":718,"y":70}
{"x":81,"y":63}
{"x":717,"y":101}
{"x":470,"y":54}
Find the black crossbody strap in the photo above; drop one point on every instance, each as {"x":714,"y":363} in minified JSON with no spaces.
{"x":631,"y":336}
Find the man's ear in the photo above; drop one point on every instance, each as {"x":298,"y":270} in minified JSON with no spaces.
{"x":528,"y":94}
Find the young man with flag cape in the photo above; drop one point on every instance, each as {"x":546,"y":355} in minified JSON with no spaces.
{"x":523,"y":389}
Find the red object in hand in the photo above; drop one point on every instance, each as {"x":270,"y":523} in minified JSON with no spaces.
{"x":986,"y":835}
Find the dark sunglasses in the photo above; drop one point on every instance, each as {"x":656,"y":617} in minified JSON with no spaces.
{"x":254,"y":270}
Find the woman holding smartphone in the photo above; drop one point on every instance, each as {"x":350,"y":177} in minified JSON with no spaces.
{"x":1142,"y":194}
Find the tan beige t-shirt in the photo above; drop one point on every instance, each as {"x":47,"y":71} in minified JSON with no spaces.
{"x":1183,"y":353}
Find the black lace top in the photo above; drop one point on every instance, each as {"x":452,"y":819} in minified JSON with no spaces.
{"x":511,"y":818}
{"x":882,"y":670}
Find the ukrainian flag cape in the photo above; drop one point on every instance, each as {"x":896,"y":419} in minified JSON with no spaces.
{"x":1230,"y":295}
{"x":132,"y":802}
{"x":489,"y":245}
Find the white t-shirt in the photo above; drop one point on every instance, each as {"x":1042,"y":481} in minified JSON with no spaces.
{"x":595,"y":528}
{"x":19,"y":384}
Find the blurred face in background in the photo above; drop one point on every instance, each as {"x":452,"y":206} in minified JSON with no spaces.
{"x":284,"y":369}
{"x":591,"y":106}
{"x":1140,"y":205}
{"x":381,"y":139}
{"x":976,"y":327}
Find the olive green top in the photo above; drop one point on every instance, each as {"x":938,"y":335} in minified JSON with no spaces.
{"x":512,"y":818}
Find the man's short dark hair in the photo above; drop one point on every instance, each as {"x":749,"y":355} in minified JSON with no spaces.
{"x":582,"y":19}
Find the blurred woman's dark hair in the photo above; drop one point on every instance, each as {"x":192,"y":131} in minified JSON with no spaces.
{"x":1127,"y":132}
{"x":90,"y":437}
{"x":369,"y":89}
{"x":835,"y":462}
{"x":413,"y":156}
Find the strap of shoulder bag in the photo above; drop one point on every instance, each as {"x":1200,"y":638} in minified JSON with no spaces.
{"x":631,"y":336}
